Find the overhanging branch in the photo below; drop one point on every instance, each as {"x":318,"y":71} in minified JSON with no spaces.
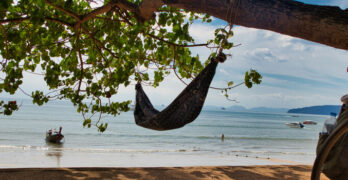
{"x":322,"y":24}
{"x":147,"y":8}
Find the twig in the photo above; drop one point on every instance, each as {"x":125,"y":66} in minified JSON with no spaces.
{"x":64,"y":10}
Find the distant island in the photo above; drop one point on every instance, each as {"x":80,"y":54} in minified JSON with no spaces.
{"x":321,"y":110}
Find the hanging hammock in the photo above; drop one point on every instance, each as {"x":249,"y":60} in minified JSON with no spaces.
{"x":183,"y":110}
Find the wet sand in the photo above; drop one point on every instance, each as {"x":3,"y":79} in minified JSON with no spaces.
{"x":262,"y":172}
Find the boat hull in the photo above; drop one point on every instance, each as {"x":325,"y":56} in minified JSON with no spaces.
{"x":295,"y":125}
{"x":310,"y":122}
{"x":55,"y":138}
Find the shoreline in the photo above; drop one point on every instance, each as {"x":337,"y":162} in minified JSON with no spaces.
{"x":259,"y":172}
{"x":61,"y":159}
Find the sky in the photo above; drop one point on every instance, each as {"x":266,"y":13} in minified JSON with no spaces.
{"x":296,"y":72}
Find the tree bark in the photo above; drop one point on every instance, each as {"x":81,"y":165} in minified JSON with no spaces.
{"x":322,"y":24}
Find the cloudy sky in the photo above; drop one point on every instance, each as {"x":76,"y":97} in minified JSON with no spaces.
{"x":296,"y":72}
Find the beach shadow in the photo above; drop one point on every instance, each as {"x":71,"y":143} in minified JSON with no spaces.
{"x":101,"y":173}
{"x":256,"y":172}
{"x":281,"y":172}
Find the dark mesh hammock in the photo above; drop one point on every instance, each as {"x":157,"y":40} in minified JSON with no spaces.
{"x":183,"y":110}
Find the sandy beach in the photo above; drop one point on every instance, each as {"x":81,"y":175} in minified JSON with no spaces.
{"x":267,"y":172}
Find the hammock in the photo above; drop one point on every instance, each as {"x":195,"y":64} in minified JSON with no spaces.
{"x":183,"y":110}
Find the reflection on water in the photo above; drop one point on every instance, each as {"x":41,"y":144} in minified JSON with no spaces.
{"x":55,"y":151}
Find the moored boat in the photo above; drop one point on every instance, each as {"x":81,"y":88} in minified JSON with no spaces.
{"x":309,"y":122}
{"x":295,"y":125}
{"x":54,"y":136}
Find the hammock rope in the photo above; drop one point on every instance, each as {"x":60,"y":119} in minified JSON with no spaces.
{"x":184,"y":109}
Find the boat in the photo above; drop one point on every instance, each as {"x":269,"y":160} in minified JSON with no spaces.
{"x":309,"y":122}
{"x":54,"y":136}
{"x":295,"y":125}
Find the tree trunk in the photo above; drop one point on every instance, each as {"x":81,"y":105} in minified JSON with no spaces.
{"x":322,"y":24}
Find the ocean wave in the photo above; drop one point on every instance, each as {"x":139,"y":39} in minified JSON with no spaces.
{"x":271,"y":138}
{"x":272,"y":152}
{"x":101,"y":150}
{"x":192,"y":137}
{"x":105,"y":150}
{"x":244,"y":126}
{"x":168,"y":137}
{"x":255,"y":138}
{"x":129,"y":150}
{"x":24,"y":147}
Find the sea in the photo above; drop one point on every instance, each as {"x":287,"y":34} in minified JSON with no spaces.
{"x":250,"y":138}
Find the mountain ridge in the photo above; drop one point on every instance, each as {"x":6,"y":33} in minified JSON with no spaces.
{"x":319,"y":109}
{"x":322,"y":109}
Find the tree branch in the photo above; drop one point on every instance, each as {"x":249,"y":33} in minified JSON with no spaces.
{"x":4,"y":21}
{"x":59,"y":21}
{"x":13,"y":20}
{"x":159,"y":38}
{"x":322,"y":24}
{"x":63,"y":10}
{"x":147,"y":8}
{"x":96,"y":12}
{"x":99,"y":43}
{"x":174,"y":44}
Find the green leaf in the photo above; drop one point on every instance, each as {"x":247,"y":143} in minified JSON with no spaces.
{"x":5,"y":4}
{"x":87,"y":122}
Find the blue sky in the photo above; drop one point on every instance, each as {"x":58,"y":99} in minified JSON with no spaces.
{"x":296,"y":72}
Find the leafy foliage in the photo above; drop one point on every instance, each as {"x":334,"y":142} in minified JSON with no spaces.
{"x":8,"y":108}
{"x":86,"y":56}
{"x":252,"y":77}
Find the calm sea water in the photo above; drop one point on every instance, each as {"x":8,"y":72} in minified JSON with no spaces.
{"x":249,"y":139}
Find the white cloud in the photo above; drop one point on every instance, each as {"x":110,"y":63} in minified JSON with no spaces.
{"x":223,"y":71}
{"x":263,"y":54}
{"x":202,"y":33}
{"x":341,"y":3}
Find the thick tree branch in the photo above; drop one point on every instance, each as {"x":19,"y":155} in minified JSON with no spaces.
{"x":147,"y":8}
{"x":123,"y":4}
{"x":322,"y":24}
